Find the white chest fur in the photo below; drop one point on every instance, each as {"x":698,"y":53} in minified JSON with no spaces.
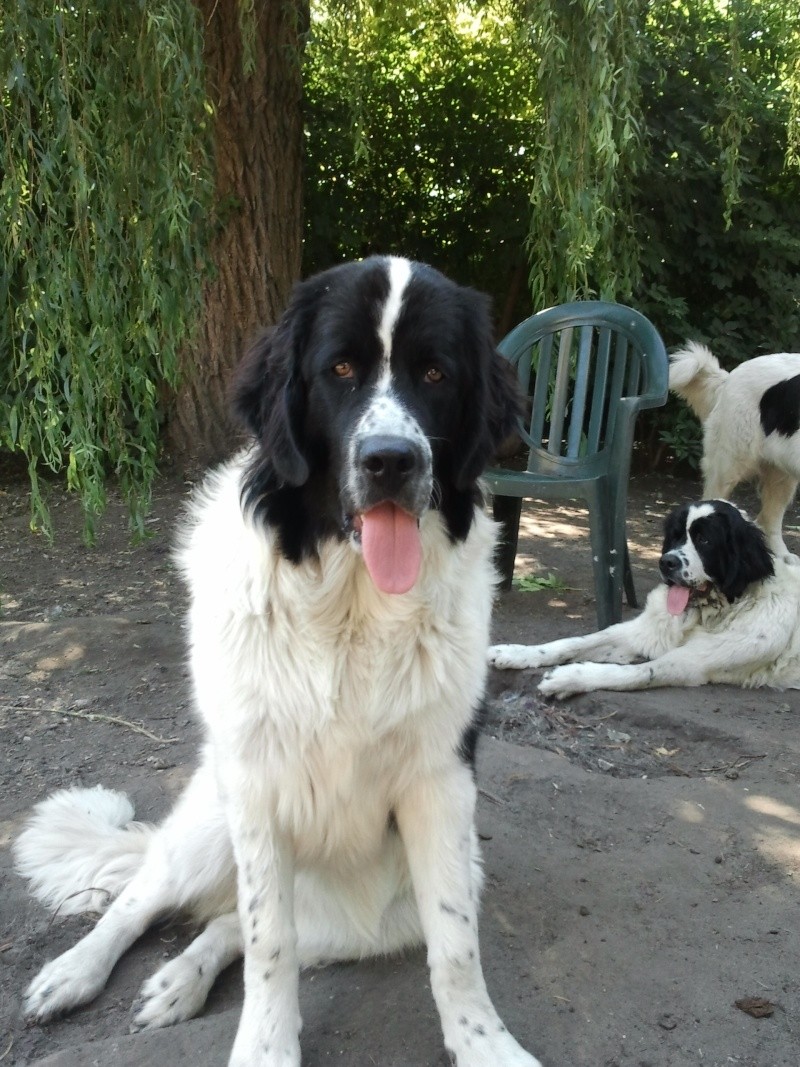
{"x":337,"y":691}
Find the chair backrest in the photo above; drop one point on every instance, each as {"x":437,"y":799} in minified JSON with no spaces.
{"x":588,"y":368}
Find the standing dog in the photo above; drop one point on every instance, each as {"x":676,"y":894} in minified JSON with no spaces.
{"x":341,"y":582}
{"x":726,"y":612}
{"x":751,"y":428}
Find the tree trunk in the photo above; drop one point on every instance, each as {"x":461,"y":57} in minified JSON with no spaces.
{"x":256,"y":251}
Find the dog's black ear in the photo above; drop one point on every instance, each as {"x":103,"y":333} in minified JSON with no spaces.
{"x":269,"y":398}
{"x":494,"y":403}
{"x":748,"y":558}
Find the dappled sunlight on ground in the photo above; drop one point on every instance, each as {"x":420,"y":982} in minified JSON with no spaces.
{"x":689,"y":811}
{"x":779,"y":829}
{"x":770,"y":826}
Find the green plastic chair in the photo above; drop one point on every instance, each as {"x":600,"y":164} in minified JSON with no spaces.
{"x":588,"y":368}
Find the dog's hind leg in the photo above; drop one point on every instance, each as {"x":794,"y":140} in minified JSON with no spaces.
{"x":78,"y":975}
{"x":179,"y":989}
{"x":777,"y":491}
{"x":186,"y":864}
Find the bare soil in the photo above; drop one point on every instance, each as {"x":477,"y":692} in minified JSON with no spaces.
{"x":642,"y":849}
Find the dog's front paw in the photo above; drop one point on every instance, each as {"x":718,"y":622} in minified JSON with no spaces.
{"x":175,"y":993}
{"x":269,"y":1052}
{"x":65,"y":983}
{"x":482,"y":1047}
{"x":566,"y":681}
{"x":266,"y":1037}
{"x":514,"y":657}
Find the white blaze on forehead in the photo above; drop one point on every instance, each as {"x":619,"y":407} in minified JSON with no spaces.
{"x":698,"y":511}
{"x":399,"y":275}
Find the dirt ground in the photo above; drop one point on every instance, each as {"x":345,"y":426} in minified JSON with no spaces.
{"x":642,"y":849}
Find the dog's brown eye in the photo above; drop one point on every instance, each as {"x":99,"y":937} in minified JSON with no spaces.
{"x":433,"y":375}
{"x":343,"y":369}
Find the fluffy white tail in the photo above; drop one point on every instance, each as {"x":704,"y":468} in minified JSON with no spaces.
{"x":80,"y":848}
{"x":695,"y":374}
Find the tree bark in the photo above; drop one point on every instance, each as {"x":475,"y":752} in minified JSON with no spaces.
{"x":256,"y":250}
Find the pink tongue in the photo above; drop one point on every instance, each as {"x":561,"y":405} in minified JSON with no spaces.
{"x":677,"y":599}
{"x":392,"y":549}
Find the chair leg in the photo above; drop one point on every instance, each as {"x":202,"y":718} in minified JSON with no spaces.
{"x":630,"y":588}
{"x":608,"y":611}
{"x":506,"y":511}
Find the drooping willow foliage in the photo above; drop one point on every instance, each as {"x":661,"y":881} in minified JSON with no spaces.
{"x":104,"y":183}
{"x":582,"y":240}
{"x":632,"y":149}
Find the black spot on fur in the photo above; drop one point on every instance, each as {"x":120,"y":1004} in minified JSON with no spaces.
{"x":780,"y":408}
{"x":448,"y":909}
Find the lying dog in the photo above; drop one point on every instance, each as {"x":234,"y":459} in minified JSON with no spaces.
{"x":726,"y":612}
{"x":341,"y":583}
{"x":751,"y":428}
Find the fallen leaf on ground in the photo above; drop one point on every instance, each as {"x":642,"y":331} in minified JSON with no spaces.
{"x":758,"y":1007}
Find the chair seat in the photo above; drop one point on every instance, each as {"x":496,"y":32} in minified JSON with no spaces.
{"x":588,"y":368}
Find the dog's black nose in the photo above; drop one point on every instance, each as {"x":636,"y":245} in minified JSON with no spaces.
{"x":669,"y":564}
{"x":388,"y":461}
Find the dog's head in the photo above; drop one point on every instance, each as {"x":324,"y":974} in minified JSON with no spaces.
{"x":379,"y":394}
{"x":711,"y":545}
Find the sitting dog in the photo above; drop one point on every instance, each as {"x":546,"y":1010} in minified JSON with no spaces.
{"x":341,"y":582}
{"x":727,"y":611}
{"x":751,"y":428}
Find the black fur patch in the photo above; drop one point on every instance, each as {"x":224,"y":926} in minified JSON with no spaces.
{"x":780,"y":408}
{"x":469,"y":739}
{"x":675,"y":528}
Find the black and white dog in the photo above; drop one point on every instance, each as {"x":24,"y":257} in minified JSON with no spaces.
{"x":341,"y":582}
{"x":751,"y":428}
{"x":727,"y":611}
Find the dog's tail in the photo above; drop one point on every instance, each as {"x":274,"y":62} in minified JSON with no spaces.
{"x":80,"y":848}
{"x":695,"y":375}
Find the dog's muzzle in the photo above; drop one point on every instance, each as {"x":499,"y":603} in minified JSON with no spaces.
{"x":674,"y":568}
{"x":393,"y":468}
{"x":389,"y":489}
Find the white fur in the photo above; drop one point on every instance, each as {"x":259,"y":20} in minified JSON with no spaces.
{"x":328,"y":706}
{"x":399,"y":277}
{"x":80,"y":848}
{"x":753,"y":642}
{"x":735,"y":448}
